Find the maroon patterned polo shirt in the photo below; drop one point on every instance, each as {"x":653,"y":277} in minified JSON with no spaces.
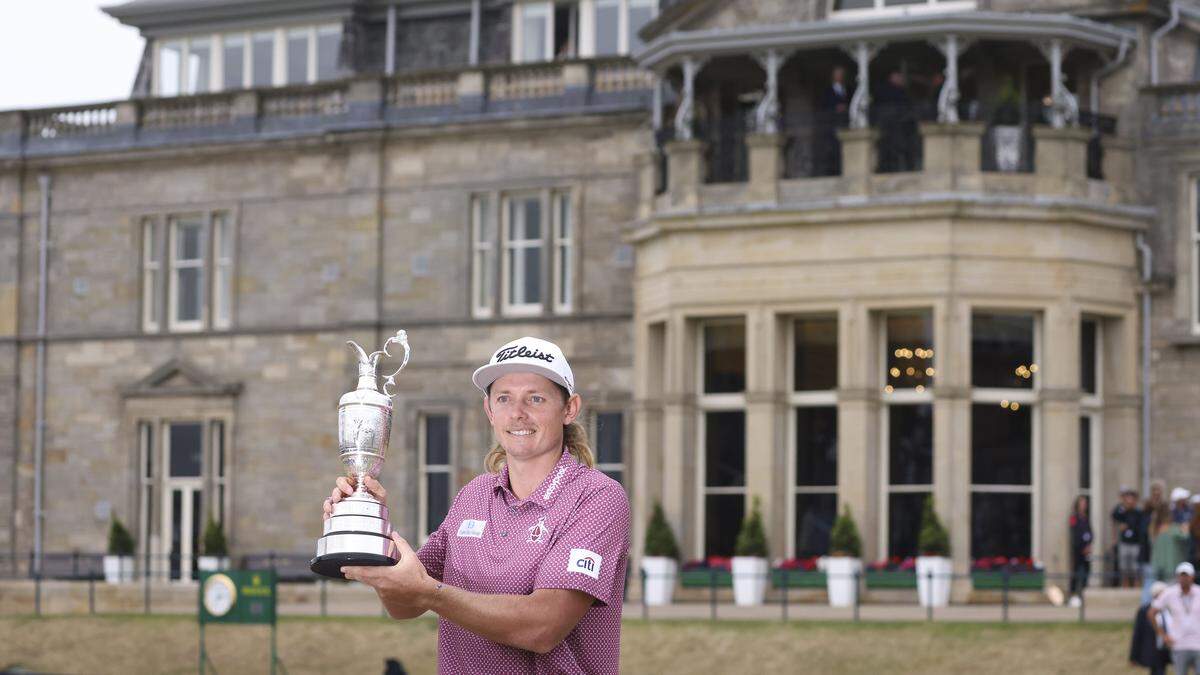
{"x":572,"y":532}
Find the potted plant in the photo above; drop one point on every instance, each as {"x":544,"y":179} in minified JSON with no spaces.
{"x":118,"y":564}
{"x":750,"y":560}
{"x":659,"y":560}
{"x":933,"y":565}
{"x":844,"y":563}
{"x":216,"y":552}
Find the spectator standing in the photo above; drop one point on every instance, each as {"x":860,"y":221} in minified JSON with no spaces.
{"x":834,"y":115}
{"x":1181,"y":603}
{"x":1127,"y":525}
{"x":1181,"y":507}
{"x":1081,"y":548}
{"x":1170,"y":544}
{"x":1194,"y":532}
{"x":1157,"y":497}
{"x":1146,"y":649}
{"x":897,"y":121}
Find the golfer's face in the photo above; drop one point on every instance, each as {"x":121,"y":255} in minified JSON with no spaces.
{"x":527,"y":413}
{"x":1185,"y":581}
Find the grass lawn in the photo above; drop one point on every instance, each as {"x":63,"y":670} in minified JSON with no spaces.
{"x":168,"y":644}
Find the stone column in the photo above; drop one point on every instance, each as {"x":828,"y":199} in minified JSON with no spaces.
{"x":1060,"y":161}
{"x":952,"y":153}
{"x":685,"y":172}
{"x":766,"y":167}
{"x":679,"y":436}
{"x":951,"y":433}
{"x":858,"y":424}
{"x":858,"y":159}
{"x":766,"y":462}
{"x":646,"y":164}
{"x":472,"y":91}
{"x":646,"y":461}
{"x":1058,"y":484}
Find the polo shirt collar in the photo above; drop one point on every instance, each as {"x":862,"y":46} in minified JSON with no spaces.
{"x":551,"y":485}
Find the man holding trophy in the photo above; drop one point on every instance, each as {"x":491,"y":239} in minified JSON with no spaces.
{"x":527,"y":572}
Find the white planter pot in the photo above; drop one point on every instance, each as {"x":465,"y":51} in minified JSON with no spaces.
{"x":118,"y":568}
{"x":841,"y":580}
{"x":749,"y":580}
{"x":935,"y":591}
{"x":211,"y":563}
{"x":660,"y":579}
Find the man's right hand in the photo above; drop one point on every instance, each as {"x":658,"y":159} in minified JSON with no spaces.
{"x":1168,"y":642}
{"x":345,"y":488}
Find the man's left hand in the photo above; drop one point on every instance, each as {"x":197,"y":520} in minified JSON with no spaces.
{"x":404,"y":583}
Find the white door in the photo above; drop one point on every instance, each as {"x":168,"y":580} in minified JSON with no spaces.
{"x":182,"y":495}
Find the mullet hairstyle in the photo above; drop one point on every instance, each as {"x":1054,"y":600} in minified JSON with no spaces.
{"x":575,"y":438}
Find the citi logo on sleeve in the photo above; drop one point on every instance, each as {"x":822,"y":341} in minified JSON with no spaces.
{"x":583,"y":561}
{"x":472,"y":528}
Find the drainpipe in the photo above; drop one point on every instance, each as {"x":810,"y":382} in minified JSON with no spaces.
{"x":389,"y":42}
{"x":1108,"y":69}
{"x":1147,"y":272}
{"x":1177,"y":9}
{"x":39,"y":423}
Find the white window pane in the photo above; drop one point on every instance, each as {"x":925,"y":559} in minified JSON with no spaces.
{"x":263,"y":59}
{"x":234,"y":62}
{"x":169,"y":58}
{"x":485,"y":229}
{"x":607,"y":21}
{"x":188,"y":307}
{"x":535,"y":20}
{"x":188,"y":242}
{"x":533,"y":276}
{"x":532,"y":210}
{"x":329,"y":45}
{"x":199,"y":61}
{"x":640,"y":14}
{"x":297,"y":57}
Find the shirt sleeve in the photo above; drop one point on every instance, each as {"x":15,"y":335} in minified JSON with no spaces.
{"x":1160,"y":603}
{"x":589,"y":551}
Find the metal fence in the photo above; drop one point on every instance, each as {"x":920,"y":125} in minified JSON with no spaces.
{"x":74,"y":583}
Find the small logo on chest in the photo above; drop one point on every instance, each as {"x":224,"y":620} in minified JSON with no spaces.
{"x":538,"y":532}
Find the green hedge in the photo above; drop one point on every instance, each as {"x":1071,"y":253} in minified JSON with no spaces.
{"x":891,"y":578}
{"x":1018,"y":581}
{"x":703,"y":578}
{"x":798,"y":579}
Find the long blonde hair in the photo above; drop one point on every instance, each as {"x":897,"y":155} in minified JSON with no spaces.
{"x":575,"y":439}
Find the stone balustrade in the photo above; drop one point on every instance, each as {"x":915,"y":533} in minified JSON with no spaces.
{"x":951,"y":163}
{"x":451,"y":95}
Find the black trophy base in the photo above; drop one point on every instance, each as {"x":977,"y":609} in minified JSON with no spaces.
{"x":331,"y":564}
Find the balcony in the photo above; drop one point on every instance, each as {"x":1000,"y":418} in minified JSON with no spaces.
{"x":493,"y":93}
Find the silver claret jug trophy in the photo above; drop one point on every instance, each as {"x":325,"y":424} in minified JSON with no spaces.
{"x":359,"y":532}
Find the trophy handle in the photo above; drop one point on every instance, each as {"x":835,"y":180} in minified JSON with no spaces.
{"x":400,"y":337}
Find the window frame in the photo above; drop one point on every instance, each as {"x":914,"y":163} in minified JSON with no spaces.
{"x":881,"y":9}
{"x":174,"y":324}
{"x":484,"y":206}
{"x":518,"y":32}
{"x":594,"y":434}
{"x":222,"y":303}
{"x":917,"y":395}
{"x":424,"y":470}
{"x":153,"y":277}
{"x":1027,"y":397}
{"x":827,"y":398}
{"x":706,"y":403}
{"x":563,"y":261}
{"x":508,"y":307}
{"x":1091,"y":408}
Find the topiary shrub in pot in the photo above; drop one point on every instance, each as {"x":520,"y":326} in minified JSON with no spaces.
{"x":843,"y":566}
{"x":118,"y":564}
{"x":660,"y":559}
{"x":934,"y":570}
{"x":216,"y":551}
{"x":750,"y":559}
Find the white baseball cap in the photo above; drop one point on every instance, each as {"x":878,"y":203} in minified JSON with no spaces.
{"x":527,"y":355}
{"x":1180,"y":493}
{"x":1185,"y":568}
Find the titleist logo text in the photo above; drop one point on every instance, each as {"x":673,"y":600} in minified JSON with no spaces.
{"x":522,"y":352}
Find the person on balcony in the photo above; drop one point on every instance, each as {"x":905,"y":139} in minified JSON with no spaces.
{"x":834,"y":114}
{"x":897,"y":121}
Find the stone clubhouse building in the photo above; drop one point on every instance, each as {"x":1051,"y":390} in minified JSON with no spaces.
{"x":971,"y":270}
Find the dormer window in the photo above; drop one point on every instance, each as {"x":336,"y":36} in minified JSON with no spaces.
{"x":545,"y":31}
{"x":851,"y":8}
{"x":259,"y":58}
